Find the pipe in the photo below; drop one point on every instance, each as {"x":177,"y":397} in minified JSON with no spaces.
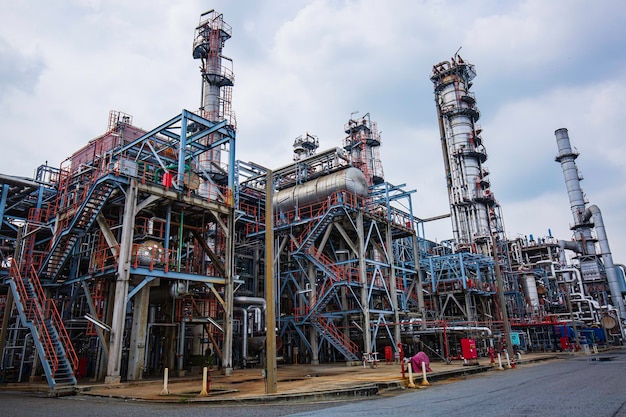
{"x":244,"y":337}
{"x":571,"y":245}
{"x":258,"y":320}
{"x":179,"y":252}
{"x":18,"y":181}
{"x":466,"y":328}
{"x":623,"y":281}
{"x":150,"y":325}
{"x":594,"y":213}
{"x":244,"y":311}
{"x":569,"y":281}
{"x":445,"y":330}
{"x":249,"y":300}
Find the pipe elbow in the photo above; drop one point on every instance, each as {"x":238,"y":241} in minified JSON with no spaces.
{"x":591,"y":212}
{"x":570,"y":245}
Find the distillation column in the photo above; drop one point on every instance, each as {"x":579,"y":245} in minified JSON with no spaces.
{"x":472,"y":204}
{"x":567,"y":158}
{"x":363,"y":145}
{"x":217,"y":82}
{"x":586,"y":218}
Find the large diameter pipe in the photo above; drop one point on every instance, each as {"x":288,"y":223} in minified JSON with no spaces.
{"x":622,"y":277}
{"x":594,"y":213}
{"x":244,"y":335}
{"x":249,"y":300}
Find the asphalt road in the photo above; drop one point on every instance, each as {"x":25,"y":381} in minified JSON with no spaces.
{"x":578,"y":386}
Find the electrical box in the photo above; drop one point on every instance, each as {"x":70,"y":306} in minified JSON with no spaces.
{"x":126,"y":167}
{"x":468,"y":348}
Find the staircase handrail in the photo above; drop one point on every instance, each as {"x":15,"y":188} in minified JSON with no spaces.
{"x":33,"y":313}
{"x":332,"y":330}
{"x":53,"y":312}
{"x":75,"y":218}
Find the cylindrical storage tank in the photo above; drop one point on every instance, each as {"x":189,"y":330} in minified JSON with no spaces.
{"x":530,"y":290}
{"x":149,"y":253}
{"x":351,"y":180}
{"x":197,"y":343}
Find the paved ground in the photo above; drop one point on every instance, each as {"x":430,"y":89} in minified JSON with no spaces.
{"x":295,"y":383}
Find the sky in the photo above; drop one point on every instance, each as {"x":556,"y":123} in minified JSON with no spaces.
{"x":304,"y":66}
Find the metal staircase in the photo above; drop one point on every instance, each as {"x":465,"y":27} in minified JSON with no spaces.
{"x":82,"y":220}
{"x":336,"y":277}
{"x":40,"y":315}
{"x":313,"y":231}
{"x":325,"y":293}
{"x":327,"y":329}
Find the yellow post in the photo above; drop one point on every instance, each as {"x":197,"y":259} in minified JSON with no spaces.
{"x":271,"y":386}
{"x":203,"y":391}
{"x":425,"y":382}
{"x":411,"y":383}
{"x":165,"y":391}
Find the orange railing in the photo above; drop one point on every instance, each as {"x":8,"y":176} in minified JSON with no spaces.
{"x":34,"y":314}
{"x":334,"y":332}
{"x":188,"y":308}
{"x":51,"y":311}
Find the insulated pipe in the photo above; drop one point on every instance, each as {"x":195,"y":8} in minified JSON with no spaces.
{"x":623,"y":280}
{"x":568,"y":281}
{"x":450,"y":328}
{"x":244,"y":312}
{"x":244,"y":337}
{"x":258,"y":320}
{"x":249,"y":300}
{"x":17,"y":181}
{"x":570,"y":245}
{"x":605,"y":251}
{"x":464,"y":328}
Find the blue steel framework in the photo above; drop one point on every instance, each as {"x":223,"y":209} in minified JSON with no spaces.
{"x":158,"y":221}
{"x":71,"y":233}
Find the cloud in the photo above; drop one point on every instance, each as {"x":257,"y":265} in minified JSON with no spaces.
{"x":20,"y":70}
{"x":305,"y":65}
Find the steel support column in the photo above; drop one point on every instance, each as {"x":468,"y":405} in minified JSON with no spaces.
{"x":138,"y":334}
{"x":365,"y":302}
{"x":121,"y":287}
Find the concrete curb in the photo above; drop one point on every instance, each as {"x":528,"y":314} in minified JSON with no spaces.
{"x":362,"y":390}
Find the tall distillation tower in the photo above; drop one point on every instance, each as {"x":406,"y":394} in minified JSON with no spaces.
{"x":363,"y":145}
{"x":217,"y":82}
{"x":596,"y":267}
{"x":473,"y":208}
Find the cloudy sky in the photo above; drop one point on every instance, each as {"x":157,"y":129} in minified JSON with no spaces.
{"x":306,"y":65}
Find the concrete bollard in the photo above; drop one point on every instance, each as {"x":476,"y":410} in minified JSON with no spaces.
{"x":411,"y":383}
{"x":165,"y":391}
{"x":425,"y":382}
{"x":595,"y":349}
{"x":508,"y":360}
{"x":500,"y":368}
{"x":203,"y":391}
